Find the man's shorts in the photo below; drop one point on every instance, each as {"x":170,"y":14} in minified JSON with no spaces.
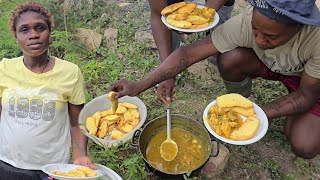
{"x":291,"y":82}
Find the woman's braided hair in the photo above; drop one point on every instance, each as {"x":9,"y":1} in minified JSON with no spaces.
{"x":29,"y":7}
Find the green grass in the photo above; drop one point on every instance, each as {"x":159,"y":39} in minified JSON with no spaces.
{"x":133,"y":60}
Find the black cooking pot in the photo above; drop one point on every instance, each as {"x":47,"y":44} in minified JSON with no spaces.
{"x":142,"y":137}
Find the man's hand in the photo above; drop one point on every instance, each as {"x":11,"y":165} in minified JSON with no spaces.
{"x":124,"y":87}
{"x":165,"y":90}
{"x":85,"y":161}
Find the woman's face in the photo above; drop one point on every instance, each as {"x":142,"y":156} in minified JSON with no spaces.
{"x":32,"y":34}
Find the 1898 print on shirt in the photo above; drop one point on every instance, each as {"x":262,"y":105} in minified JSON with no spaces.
{"x":35,"y":127}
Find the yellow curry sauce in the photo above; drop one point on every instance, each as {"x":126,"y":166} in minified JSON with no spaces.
{"x":190,"y":152}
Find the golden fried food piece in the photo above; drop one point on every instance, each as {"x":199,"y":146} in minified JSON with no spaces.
{"x":103,"y":129}
{"x":187,"y":8}
{"x":88,"y":172}
{"x":182,"y":16}
{"x":179,"y":24}
{"x":111,"y":127}
{"x":91,"y":125}
{"x":171,"y":8}
{"x":231,"y":100}
{"x":127,"y":128}
{"x":129,"y":105}
{"x":106,"y":113}
{"x":127,"y":116}
{"x":116,"y":134}
{"x":114,"y":101}
{"x":197,"y":20}
{"x":121,"y":109}
{"x":134,"y":113}
{"x":200,"y":26}
{"x":196,"y":12}
{"x":97,"y":117}
{"x":208,"y":13}
{"x":135,"y":122}
{"x":112,"y":118}
{"x":247,"y":130}
{"x":243,"y":111}
{"x":76,"y":173}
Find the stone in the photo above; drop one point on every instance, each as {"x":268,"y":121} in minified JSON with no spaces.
{"x":89,"y":38}
{"x":145,"y":37}
{"x":124,"y":4}
{"x":110,"y":38}
{"x":216,"y":165}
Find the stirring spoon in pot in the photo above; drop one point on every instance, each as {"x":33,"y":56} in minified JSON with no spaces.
{"x":168,"y":148}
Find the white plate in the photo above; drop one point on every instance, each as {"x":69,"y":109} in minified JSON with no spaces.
{"x":101,"y":103}
{"x":262,"y":130}
{"x":213,"y":23}
{"x":102,"y":171}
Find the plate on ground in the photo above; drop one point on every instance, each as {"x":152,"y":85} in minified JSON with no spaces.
{"x":212,"y":24}
{"x":102,"y":103}
{"x":262,"y":130}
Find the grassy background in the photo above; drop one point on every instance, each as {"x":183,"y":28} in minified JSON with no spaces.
{"x":270,"y":158}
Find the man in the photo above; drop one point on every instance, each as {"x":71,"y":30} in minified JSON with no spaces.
{"x":276,"y":40}
{"x":168,"y":40}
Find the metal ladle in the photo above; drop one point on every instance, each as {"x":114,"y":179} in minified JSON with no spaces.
{"x":168,"y":148}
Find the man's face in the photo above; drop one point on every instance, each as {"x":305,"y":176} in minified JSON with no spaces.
{"x":269,"y":33}
{"x":32,"y":34}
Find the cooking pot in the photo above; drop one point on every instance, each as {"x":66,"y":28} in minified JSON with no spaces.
{"x":142,"y":137}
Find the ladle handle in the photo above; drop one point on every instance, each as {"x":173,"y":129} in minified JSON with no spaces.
{"x":169,"y":121}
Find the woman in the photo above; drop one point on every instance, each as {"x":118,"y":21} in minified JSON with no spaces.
{"x":41,"y":98}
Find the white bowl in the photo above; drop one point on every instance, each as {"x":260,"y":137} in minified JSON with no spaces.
{"x":213,"y":23}
{"x":262,"y":130}
{"x":101,"y":103}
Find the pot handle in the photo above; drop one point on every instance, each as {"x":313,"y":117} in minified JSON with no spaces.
{"x":218,"y":147}
{"x":136,"y":134}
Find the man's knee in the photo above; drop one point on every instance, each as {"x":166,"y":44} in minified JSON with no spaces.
{"x":304,"y":148}
{"x":234,"y":58}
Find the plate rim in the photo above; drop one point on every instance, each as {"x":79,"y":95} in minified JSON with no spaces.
{"x":229,"y":141}
{"x":212,"y":25}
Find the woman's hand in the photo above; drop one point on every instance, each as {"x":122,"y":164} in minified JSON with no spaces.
{"x":85,"y":161}
{"x":165,"y":90}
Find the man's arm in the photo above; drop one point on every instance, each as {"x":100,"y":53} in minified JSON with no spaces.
{"x":79,"y":140}
{"x":178,"y":61}
{"x":299,"y":101}
{"x":161,"y":34}
{"x":216,"y":4}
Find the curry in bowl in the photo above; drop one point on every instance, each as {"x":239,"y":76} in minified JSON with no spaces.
{"x":190,"y":155}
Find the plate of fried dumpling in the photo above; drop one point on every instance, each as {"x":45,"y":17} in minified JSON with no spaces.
{"x":64,"y":171}
{"x":189,"y":17}
{"x":235,"y":119}
{"x":109,"y":122}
